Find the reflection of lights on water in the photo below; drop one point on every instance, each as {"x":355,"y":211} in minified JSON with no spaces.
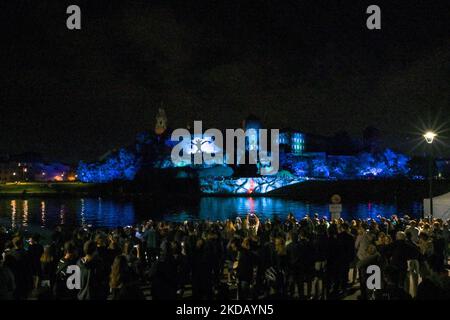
{"x":25,"y":213}
{"x":90,"y":210}
{"x":251,"y":204}
{"x":43,"y":214}
{"x":82,"y":213}
{"x":107,"y":213}
{"x":13,"y":213}
{"x":62,"y":213}
{"x":99,"y":212}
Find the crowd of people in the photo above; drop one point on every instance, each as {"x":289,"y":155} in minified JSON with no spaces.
{"x":245,"y":258}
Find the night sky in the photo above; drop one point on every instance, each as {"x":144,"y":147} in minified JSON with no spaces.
{"x":311,"y":65}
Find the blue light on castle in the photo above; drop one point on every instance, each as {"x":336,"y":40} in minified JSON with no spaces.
{"x":296,"y":163}
{"x":122,"y":165}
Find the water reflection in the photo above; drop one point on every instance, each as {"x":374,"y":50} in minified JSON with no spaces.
{"x":43,"y":214}
{"x":110,"y":213}
{"x":25,"y":213}
{"x":62,"y":214}
{"x":213,"y":208}
{"x":13,"y":213}
{"x":82,"y":214}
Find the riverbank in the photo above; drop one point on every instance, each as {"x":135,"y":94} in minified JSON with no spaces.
{"x":30,"y":189}
{"x":396,"y":190}
{"x":125,"y":190}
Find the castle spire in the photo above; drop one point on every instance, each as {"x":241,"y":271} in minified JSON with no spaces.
{"x":161,"y":122}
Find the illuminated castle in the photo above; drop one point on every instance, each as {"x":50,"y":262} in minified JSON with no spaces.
{"x":302,"y":156}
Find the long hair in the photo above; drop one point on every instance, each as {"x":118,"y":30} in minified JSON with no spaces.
{"x":118,"y":272}
{"x":47,"y":256}
{"x":229,"y":227}
{"x":280,"y":246}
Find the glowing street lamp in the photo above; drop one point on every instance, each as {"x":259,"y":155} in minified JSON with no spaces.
{"x":429,"y":138}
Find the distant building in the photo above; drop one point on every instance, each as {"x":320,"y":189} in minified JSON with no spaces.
{"x":443,"y":168}
{"x":292,"y":141}
{"x":19,"y":167}
{"x":251,"y":125}
{"x":31,"y":167}
{"x":54,"y":172}
{"x":7,"y":170}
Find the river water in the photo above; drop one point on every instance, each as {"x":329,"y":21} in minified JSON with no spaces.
{"x":36,"y":213}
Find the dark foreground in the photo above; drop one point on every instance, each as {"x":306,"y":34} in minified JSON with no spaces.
{"x":244,"y":259}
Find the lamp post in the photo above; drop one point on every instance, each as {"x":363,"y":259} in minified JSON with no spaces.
{"x":429,"y":138}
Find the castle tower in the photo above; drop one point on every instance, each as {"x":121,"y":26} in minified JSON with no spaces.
{"x":252,"y":125}
{"x":161,"y":122}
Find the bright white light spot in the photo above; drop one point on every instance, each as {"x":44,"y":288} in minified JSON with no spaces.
{"x":429,"y":136}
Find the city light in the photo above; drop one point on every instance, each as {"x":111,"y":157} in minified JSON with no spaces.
{"x":429,"y":136}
